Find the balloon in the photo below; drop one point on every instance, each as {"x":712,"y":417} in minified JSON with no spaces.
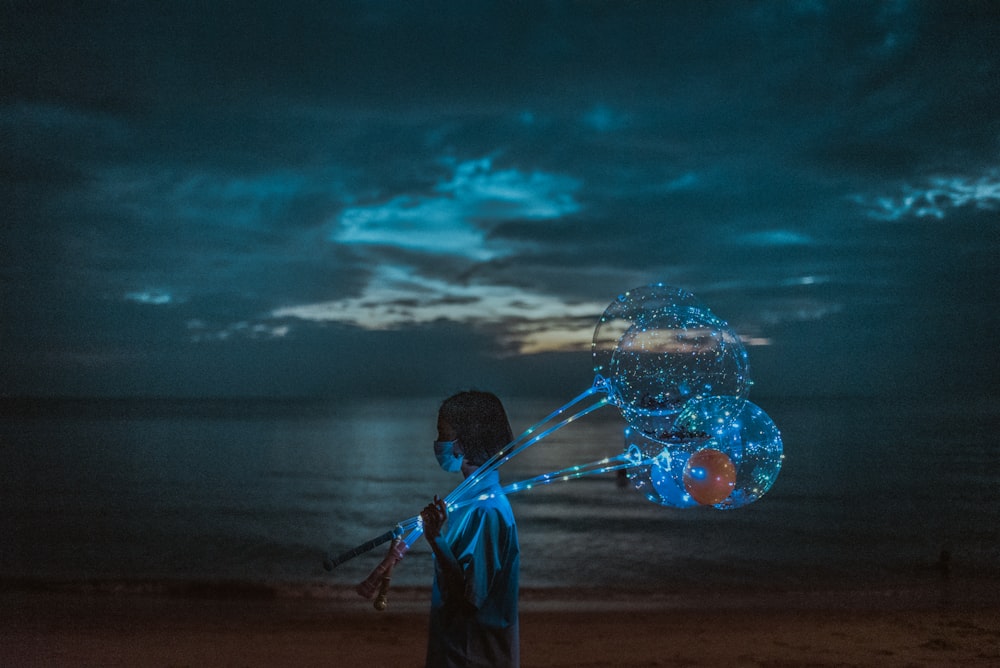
{"x":658,"y":466}
{"x":709,"y":476}
{"x":749,"y":438}
{"x":658,"y":348}
{"x":626,"y":309}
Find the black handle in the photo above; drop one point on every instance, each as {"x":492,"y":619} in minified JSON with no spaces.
{"x":330,"y":564}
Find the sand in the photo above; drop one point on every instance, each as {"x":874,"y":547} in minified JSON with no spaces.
{"x":53,"y":627}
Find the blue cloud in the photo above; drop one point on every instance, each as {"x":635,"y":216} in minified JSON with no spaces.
{"x":456,"y":217}
{"x":151,"y":297}
{"x":774,"y":238}
{"x":938,"y":195}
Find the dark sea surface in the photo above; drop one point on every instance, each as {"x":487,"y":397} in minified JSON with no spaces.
{"x":873,"y":494}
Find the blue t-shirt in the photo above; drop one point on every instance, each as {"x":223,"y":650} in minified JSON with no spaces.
{"x":474,"y":622}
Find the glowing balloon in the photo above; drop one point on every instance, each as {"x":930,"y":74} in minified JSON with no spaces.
{"x":750,"y":439}
{"x":709,"y":476}
{"x":658,"y":348}
{"x":658,"y":467}
{"x":628,"y":307}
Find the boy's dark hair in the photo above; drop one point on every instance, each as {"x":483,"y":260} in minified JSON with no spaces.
{"x":480,"y":423}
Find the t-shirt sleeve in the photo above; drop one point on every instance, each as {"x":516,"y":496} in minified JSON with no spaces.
{"x":478,"y":551}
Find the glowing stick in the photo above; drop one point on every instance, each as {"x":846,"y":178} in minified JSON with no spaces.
{"x":528,"y":437}
{"x":377,"y":583}
{"x":516,"y":447}
{"x":605,"y":465}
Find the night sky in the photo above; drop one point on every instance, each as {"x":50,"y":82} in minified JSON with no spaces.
{"x":408,"y":198}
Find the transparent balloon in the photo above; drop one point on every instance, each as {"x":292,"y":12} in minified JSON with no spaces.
{"x":750,"y":439}
{"x":629,"y":307}
{"x":658,"y":349}
{"x":681,"y":469}
{"x":657,"y":466}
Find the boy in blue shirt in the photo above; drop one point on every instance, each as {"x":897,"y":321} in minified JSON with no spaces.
{"x":473,"y":618}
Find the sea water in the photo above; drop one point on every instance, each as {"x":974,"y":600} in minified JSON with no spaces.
{"x":256,"y":493}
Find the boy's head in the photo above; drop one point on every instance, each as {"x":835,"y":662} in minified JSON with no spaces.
{"x":479,"y":422}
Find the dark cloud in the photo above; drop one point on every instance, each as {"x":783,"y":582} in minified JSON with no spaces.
{"x":242,"y":187}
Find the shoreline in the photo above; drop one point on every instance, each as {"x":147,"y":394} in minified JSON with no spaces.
{"x":922,"y":591}
{"x":905,"y":627}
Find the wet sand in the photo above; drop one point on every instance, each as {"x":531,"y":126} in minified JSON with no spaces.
{"x":54,"y":627}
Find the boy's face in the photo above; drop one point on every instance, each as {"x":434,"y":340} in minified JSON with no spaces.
{"x":445,"y":431}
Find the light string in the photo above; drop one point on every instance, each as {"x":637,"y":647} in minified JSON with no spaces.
{"x":412,"y":527}
{"x":601,"y":466}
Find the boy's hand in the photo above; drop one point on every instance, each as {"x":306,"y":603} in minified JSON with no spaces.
{"x":434,"y":515}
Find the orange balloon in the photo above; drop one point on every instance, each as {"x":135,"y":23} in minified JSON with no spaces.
{"x":709,"y":476}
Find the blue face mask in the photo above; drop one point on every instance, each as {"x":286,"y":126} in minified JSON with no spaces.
{"x":445,"y":453}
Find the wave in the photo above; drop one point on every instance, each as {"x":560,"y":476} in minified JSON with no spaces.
{"x":193,"y":588}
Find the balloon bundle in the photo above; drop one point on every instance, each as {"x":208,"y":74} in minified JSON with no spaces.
{"x":680,"y":378}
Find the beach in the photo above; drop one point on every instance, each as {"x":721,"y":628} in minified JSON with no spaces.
{"x":172,"y":534}
{"x":558,"y":629}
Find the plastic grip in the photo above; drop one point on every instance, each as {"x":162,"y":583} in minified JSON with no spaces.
{"x":370,"y":585}
{"x":382,"y":599}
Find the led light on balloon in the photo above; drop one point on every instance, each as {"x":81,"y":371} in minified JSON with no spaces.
{"x":659,"y":349}
{"x":750,"y":440}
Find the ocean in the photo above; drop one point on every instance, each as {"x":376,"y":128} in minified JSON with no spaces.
{"x":252,"y":495}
